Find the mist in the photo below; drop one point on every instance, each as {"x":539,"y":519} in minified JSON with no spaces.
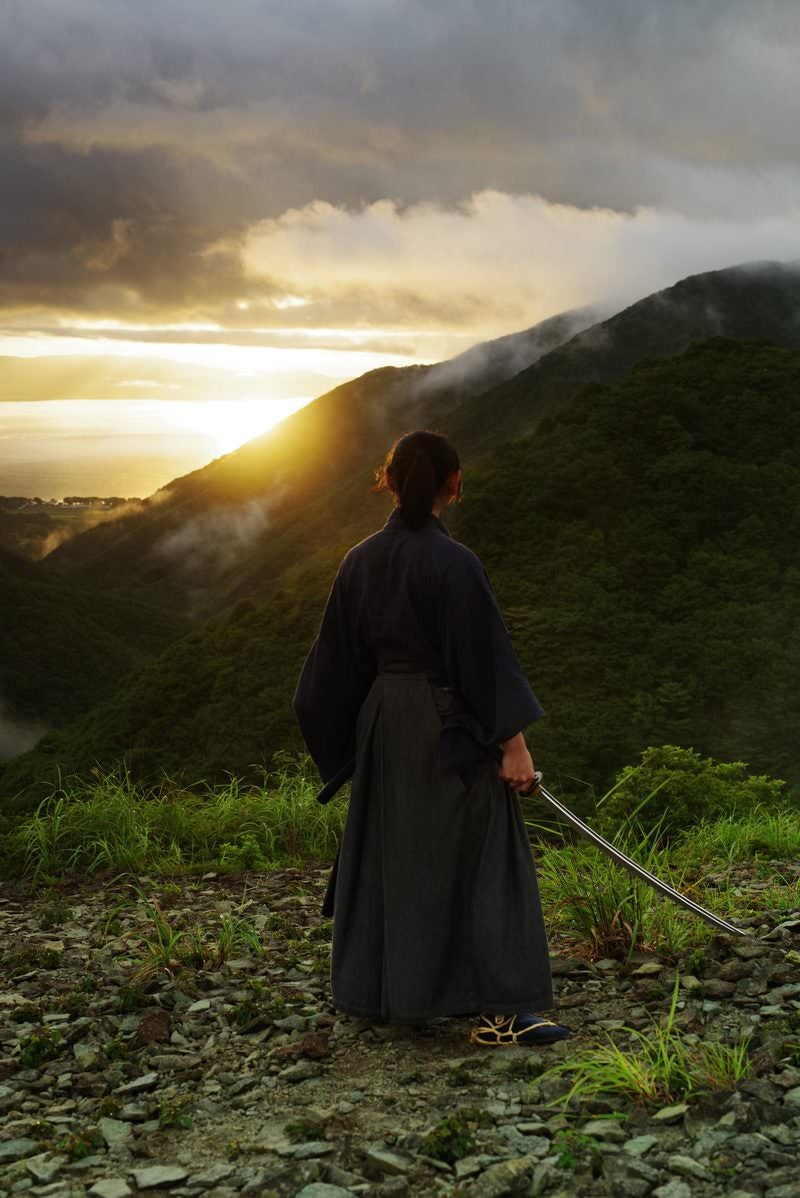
{"x":17,"y":736}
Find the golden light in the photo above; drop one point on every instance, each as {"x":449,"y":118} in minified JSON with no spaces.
{"x":229,"y":422}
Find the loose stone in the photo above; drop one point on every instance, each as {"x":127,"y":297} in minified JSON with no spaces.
{"x":671,"y":1114}
{"x":387,"y":1162}
{"x":688,"y":1167}
{"x":673,"y":1189}
{"x":110,"y":1187}
{"x":115,"y":1132}
{"x":155,"y":1176}
{"x":321,"y":1189}
{"x":639,"y":1145}
{"x":15,"y":1150}
{"x":148,"y":1081}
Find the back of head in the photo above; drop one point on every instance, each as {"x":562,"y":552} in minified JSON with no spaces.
{"x":415,"y":471}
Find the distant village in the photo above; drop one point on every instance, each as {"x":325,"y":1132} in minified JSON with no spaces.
{"x":19,"y":503}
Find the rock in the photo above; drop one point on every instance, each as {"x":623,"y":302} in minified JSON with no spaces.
{"x":671,"y":1114}
{"x":506,"y":1177}
{"x":604,"y":1129}
{"x":383,"y":1160}
{"x":314,"y":1047}
{"x":530,"y":1127}
{"x":673,"y":1189}
{"x":44,"y":1167}
{"x":321,"y":1189}
{"x":16,"y":1150}
{"x":343,"y":1177}
{"x":687,"y":1166}
{"x":469,"y":1166}
{"x":212,"y":1176}
{"x":133,"y":1112}
{"x":155,"y":1176}
{"x":312,"y":1148}
{"x":718,"y":988}
{"x":291,"y":1023}
{"x":627,"y":1177}
{"x":87,"y":1055}
{"x":110,"y":1187}
{"x":301,"y":1071}
{"x":792,"y":1097}
{"x":115,"y":1132}
{"x":639,"y":1145}
{"x":148,"y":1081}
{"x":202,"y":1004}
{"x":153,"y":1028}
{"x":749,"y":1143}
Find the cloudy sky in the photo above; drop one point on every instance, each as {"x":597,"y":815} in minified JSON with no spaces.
{"x":348,"y":182}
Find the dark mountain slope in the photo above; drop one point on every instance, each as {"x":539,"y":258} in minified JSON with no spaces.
{"x":62,"y":649}
{"x":645,"y":547}
{"x":755,"y":300}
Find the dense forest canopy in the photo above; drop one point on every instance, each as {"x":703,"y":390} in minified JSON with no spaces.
{"x":644,"y":548}
{"x":64,"y":648}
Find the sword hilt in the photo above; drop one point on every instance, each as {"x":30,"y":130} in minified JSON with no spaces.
{"x":533,"y":787}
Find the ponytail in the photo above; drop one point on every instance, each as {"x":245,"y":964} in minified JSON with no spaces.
{"x":418,"y":491}
{"x":415,"y":471}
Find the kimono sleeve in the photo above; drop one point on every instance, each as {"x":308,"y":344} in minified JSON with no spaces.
{"x":479,"y":657}
{"x":331,"y":688}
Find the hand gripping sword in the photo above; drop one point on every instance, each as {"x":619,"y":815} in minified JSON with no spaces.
{"x":535,"y":789}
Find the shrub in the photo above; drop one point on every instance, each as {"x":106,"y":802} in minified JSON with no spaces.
{"x":681,"y":788}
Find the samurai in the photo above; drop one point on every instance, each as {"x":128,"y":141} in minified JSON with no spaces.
{"x":413,"y":686}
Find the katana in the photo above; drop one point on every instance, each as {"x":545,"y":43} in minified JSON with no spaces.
{"x":537,"y":790}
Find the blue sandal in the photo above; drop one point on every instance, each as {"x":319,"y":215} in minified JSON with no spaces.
{"x":517,"y":1029}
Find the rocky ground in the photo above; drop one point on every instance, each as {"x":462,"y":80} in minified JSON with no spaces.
{"x":133,"y":1061}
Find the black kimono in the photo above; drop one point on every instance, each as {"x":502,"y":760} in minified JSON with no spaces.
{"x":436,"y":906}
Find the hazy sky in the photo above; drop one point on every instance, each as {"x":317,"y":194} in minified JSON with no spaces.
{"x":391,"y":176}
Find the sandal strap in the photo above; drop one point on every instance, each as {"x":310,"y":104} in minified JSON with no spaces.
{"x":502,"y":1029}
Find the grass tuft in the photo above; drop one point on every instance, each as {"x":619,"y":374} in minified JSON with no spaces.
{"x":658,"y":1068}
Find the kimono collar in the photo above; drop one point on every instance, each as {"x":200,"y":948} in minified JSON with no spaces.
{"x":396,"y":521}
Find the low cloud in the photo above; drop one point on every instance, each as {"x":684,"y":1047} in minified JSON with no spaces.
{"x":497,"y":260}
{"x":208,"y":544}
{"x":17,"y":736}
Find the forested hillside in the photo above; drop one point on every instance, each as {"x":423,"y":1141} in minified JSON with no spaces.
{"x":752,"y":301}
{"x":645,"y":548}
{"x":64,"y":649}
{"x":229,"y":529}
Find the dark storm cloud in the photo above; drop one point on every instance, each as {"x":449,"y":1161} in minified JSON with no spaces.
{"x":134,"y":136}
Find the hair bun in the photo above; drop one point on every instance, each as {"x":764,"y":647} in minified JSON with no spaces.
{"x":415,"y":470}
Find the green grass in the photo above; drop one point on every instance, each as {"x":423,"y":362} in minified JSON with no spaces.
{"x":116,"y":824}
{"x":590,"y":899}
{"x":765,"y":832}
{"x":657,"y":1067}
{"x":596,"y":903}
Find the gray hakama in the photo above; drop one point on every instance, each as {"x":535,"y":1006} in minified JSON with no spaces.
{"x":435,"y":902}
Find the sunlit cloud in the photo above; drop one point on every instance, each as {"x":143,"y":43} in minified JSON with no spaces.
{"x":498,"y":260}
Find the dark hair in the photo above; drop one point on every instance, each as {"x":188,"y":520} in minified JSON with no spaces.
{"x":415,"y":470}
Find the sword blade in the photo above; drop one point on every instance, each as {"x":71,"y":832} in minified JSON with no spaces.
{"x":626,"y":862}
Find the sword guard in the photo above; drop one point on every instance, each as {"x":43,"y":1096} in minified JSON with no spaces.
{"x":533,"y":787}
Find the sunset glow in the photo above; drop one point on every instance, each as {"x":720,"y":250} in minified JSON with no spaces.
{"x":240,"y":211}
